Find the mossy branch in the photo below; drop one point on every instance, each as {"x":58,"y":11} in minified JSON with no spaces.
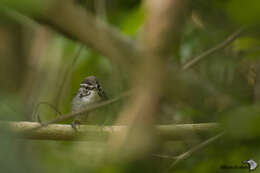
{"x":31,"y":130}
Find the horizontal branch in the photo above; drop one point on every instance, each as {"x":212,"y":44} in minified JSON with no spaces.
{"x":31,"y":130}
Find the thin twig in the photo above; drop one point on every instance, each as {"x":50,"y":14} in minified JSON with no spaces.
{"x":89,"y":109}
{"x":218,"y":47}
{"x":193,"y":150}
{"x":165,"y":156}
{"x":37,"y":116}
{"x":66,"y":75}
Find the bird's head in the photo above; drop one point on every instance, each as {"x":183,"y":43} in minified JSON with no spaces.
{"x":91,"y":83}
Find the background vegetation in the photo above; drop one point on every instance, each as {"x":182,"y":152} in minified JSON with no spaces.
{"x":186,"y":62}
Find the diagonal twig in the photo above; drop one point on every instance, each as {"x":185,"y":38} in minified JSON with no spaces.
{"x":79,"y":24}
{"x":218,"y":47}
{"x":162,"y":156}
{"x":89,"y":109}
{"x":188,"y":153}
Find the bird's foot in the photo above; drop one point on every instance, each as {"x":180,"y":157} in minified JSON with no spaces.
{"x":75,"y":125}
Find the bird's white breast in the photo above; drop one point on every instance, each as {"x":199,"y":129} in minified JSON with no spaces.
{"x":91,"y":98}
{"x":80,"y":103}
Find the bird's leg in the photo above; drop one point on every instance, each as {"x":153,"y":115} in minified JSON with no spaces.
{"x":75,"y":124}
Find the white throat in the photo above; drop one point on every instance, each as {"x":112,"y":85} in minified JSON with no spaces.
{"x":91,"y":98}
{"x":80,"y":103}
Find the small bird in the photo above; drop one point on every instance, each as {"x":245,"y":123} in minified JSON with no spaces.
{"x":89,"y":92}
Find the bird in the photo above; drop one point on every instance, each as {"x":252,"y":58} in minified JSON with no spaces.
{"x":251,"y":164}
{"x":89,"y":92}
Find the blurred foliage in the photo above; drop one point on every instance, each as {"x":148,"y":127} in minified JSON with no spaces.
{"x":244,"y":12}
{"x":34,"y":59}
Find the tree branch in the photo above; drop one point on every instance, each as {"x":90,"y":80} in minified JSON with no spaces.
{"x":188,"y":153}
{"x":218,"y":47}
{"x":149,"y":78}
{"x":76,"y":22}
{"x":33,"y":130}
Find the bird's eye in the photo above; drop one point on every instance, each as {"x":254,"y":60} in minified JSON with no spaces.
{"x":84,"y":93}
